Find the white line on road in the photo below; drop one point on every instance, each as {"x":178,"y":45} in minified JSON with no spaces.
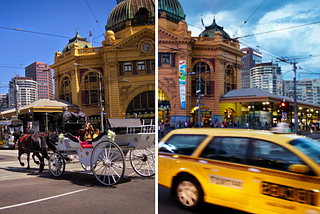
{"x":39,"y":200}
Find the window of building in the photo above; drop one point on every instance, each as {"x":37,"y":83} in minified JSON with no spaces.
{"x":65,"y":89}
{"x":166,"y":58}
{"x":94,"y":96}
{"x":229,"y":79}
{"x":141,"y":66}
{"x":91,"y":97}
{"x":90,"y":92}
{"x":127,"y":67}
{"x":205,"y":83}
{"x":153,"y":65}
{"x":144,"y":102}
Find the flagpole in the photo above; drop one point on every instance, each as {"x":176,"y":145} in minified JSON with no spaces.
{"x":202,"y":24}
{"x":90,"y":35}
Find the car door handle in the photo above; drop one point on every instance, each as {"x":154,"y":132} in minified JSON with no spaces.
{"x":254,"y":170}
{"x":203,"y":161}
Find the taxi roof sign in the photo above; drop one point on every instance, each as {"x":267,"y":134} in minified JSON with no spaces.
{"x":281,"y":128}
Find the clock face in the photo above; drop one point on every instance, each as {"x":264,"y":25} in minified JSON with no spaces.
{"x":146,"y":47}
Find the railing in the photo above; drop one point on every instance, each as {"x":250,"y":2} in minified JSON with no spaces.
{"x":88,"y":50}
{"x":141,"y":129}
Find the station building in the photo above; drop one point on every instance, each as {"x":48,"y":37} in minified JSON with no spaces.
{"x":182,"y":56}
{"x":217,"y":88}
{"x":125,"y":61}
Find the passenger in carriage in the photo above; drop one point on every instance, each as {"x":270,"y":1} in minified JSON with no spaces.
{"x":86,"y":134}
{"x":96,"y":133}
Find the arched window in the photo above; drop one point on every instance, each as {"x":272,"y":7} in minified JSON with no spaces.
{"x":142,"y":106}
{"x":90,"y":94}
{"x":65,"y":90}
{"x":230,"y":81}
{"x":206,"y":84}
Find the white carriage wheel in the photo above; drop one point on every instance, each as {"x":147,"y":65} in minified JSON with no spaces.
{"x":107,"y":163}
{"x":142,"y":162}
{"x":57,"y":164}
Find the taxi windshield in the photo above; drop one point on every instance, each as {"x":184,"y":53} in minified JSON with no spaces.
{"x":309,"y":147}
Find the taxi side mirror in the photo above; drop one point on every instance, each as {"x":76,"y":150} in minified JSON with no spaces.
{"x":299,"y":168}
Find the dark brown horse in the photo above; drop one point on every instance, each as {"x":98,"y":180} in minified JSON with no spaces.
{"x":35,"y":143}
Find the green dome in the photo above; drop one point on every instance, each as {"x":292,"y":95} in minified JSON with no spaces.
{"x":210,"y":30}
{"x":173,"y":10}
{"x":79,"y":40}
{"x":139,"y":12}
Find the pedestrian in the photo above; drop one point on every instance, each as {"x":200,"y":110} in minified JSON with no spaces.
{"x":179,"y":124}
{"x":162,"y":130}
{"x":216,"y":123}
{"x":171,"y":126}
{"x":235,"y":125}
{"x":186,"y":124}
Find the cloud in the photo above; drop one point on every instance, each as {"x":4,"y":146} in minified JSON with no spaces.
{"x":297,"y":42}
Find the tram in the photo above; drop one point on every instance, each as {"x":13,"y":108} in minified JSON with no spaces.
{"x":7,"y":128}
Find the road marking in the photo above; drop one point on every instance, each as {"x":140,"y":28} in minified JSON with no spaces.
{"x":39,"y":200}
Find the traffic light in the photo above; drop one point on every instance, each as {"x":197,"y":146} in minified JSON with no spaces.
{"x":284,"y":106}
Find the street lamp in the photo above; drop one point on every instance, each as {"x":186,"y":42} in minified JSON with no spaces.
{"x":100,"y":93}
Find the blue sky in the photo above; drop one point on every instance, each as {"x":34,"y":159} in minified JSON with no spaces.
{"x":61,"y":18}
{"x":263,"y":16}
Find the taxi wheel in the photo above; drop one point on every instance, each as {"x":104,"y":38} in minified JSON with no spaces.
{"x":189,"y":193}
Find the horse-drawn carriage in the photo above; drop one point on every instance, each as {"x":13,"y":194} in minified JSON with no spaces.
{"x":106,"y":156}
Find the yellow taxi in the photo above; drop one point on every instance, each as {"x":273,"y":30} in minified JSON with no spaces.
{"x":253,"y":171}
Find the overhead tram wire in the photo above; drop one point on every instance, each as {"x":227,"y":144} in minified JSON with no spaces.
{"x":40,"y":33}
{"x":35,"y":32}
{"x":248,"y":18}
{"x":276,"y":56}
{"x":271,"y":31}
{"x":94,"y":17}
{"x":4,"y":66}
{"x":273,"y":55}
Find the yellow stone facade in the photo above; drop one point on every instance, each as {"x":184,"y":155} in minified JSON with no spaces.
{"x":75,"y":73}
{"x":220,"y":61}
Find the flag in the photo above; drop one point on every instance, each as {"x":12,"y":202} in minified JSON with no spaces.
{"x":202,"y":21}
{"x":90,"y":34}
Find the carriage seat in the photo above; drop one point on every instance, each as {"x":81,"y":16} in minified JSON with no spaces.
{"x":73,"y":127}
{"x":71,"y":137}
{"x":99,"y":136}
{"x":74,"y":139}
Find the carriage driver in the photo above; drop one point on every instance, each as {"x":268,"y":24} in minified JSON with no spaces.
{"x":82,"y":116}
{"x":64,"y":117}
